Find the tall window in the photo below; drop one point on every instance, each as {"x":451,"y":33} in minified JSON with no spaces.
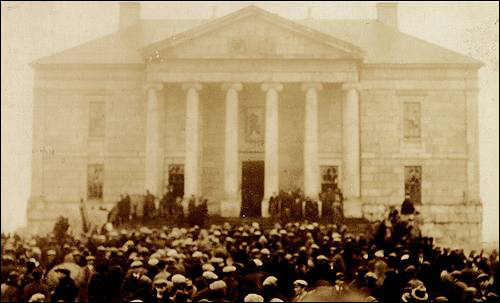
{"x":413,"y":183}
{"x":94,"y":181}
{"x":411,"y":116}
{"x":96,"y":119}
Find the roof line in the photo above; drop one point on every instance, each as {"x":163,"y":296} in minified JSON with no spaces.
{"x":248,"y":11}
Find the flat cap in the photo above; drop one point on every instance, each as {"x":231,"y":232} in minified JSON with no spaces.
{"x":229,"y":268}
{"x":253,"y":298}
{"x":218,"y":285}
{"x":271,"y":281}
{"x":209,"y":275}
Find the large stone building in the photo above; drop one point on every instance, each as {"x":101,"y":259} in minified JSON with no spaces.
{"x":239,"y":107}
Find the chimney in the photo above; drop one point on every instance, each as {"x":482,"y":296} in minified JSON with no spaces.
{"x":130,"y":13}
{"x":387,"y":14}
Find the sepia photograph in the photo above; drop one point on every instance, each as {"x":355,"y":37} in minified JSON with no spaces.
{"x":239,"y":151}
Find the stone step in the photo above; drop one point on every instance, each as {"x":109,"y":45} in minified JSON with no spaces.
{"x":354,"y":225}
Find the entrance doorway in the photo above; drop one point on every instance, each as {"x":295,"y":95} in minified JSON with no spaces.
{"x":176,"y":179}
{"x":252,"y":188}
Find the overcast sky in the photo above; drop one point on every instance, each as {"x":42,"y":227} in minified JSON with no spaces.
{"x":31,"y":30}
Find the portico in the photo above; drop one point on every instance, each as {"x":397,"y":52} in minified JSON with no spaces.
{"x":307,"y":92}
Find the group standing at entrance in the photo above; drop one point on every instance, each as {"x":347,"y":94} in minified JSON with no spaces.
{"x":295,"y":206}
{"x":285,"y":207}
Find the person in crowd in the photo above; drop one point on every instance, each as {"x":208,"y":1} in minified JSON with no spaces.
{"x":37,"y":286}
{"x":10,"y":288}
{"x":65,"y":290}
{"x":407,"y":208}
{"x":251,"y":262}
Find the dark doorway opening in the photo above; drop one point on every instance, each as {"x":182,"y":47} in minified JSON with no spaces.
{"x":252,"y":188}
{"x":176,"y":179}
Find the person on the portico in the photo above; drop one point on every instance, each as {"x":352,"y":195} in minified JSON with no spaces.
{"x":407,"y":208}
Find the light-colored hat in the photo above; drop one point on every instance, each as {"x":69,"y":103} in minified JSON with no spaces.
{"x":162,"y":275}
{"x":197,"y":254}
{"x":228,"y":269}
{"x":208,"y":267}
{"x":172,"y":253}
{"x":419,"y":294}
{"x":265,"y":251}
{"x":276,"y":300}
{"x":153,"y":262}
{"x":257,"y":262}
{"x":178,"y":279}
{"x":300,"y":282}
{"x":322,"y":257}
{"x":253,"y":298}
{"x":271,"y":280}
{"x":218,"y":285}
{"x":51,"y":252}
{"x":38,"y":297}
{"x":379,"y":253}
{"x":136,"y":264}
{"x":209,"y":275}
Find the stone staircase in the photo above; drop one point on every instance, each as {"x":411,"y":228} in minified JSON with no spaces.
{"x":354,"y":225}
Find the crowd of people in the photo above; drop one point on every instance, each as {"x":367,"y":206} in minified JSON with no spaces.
{"x":168,"y":207}
{"x":296,"y":261}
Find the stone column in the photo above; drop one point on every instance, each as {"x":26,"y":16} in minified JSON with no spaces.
{"x":192,"y":165}
{"x":271,"y":179}
{"x":351,"y":150}
{"x":311,"y":164}
{"x":153,"y":153}
{"x":230,"y":207}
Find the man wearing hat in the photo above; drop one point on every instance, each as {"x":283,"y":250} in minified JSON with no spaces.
{"x":66,"y":289}
{"x":299,"y":290}
{"x":270,"y":288}
{"x":37,"y":286}
{"x":207,"y":278}
{"x":233,"y":286}
{"x":10,"y":289}
{"x":252,"y":282}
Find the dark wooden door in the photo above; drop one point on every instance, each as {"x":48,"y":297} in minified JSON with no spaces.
{"x":252,"y":188}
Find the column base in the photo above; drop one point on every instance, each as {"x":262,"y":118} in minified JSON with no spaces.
{"x":353,"y":208}
{"x":230,"y":207}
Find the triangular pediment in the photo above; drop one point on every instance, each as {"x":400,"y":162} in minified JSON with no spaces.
{"x":251,"y":33}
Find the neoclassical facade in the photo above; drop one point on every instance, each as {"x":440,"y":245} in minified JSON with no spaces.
{"x":239,"y":107}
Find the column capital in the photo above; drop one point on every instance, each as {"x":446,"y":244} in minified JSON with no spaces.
{"x":237,"y":86}
{"x":192,"y":85}
{"x":156,"y":86}
{"x":311,"y":85}
{"x":271,"y":85}
{"x":351,"y":85}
